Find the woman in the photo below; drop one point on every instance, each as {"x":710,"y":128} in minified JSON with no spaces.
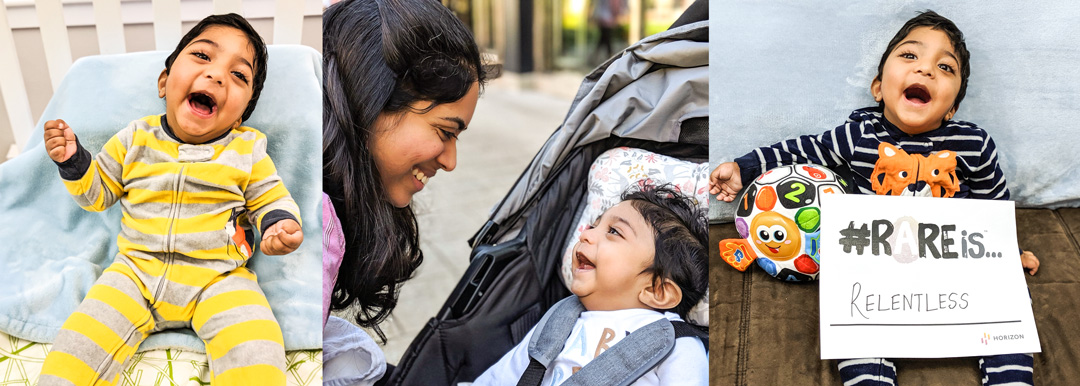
{"x":402,"y":78}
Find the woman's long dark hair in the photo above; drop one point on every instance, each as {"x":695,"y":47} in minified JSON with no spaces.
{"x":379,"y":57}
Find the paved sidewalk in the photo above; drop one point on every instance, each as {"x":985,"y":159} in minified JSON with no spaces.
{"x":513,"y":118}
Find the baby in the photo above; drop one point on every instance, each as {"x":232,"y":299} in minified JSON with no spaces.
{"x":641,"y":266}
{"x":907,"y":145}
{"x":191,"y":183}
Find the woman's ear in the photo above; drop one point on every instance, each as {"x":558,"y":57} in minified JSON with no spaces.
{"x":663,"y":296}
{"x":161,"y":83}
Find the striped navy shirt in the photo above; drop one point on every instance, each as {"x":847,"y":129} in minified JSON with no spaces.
{"x":854,"y":146}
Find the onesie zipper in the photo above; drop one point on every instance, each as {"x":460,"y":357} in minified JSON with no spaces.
{"x":170,"y":236}
{"x":174,"y":217}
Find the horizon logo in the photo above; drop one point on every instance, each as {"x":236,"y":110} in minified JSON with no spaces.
{"x":986,"y":338}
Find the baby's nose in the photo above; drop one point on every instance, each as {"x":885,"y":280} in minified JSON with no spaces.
{"x":926,"y":68}
{"x":587,"y":235}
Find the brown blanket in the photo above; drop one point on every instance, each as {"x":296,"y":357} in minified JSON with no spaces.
{"x":765,"y":332}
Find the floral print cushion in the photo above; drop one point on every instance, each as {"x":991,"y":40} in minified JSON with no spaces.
{"x":617,"y":169}
{"x":20,"y":364}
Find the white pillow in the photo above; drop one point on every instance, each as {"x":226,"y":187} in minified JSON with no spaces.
{"x":616,"y":170}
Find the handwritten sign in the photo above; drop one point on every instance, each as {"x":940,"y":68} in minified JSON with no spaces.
{"x":913,"y":277}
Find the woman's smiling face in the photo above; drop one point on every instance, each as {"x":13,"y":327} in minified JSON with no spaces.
{"x":410,"y":147}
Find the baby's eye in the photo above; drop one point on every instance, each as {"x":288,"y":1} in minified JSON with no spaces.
{"x":200,"y":55}
{"x":241,"y":76}
{"x":614,"y":231}
{"x":946,"y":68}
{"x":908,"y":55}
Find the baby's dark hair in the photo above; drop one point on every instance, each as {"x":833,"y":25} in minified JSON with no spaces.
{"x":681,"y":235}
{"x":235,"y":21}
{"x":936,"y":22}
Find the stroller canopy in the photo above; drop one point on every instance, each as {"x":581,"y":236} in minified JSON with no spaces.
{"x":651,"y":91}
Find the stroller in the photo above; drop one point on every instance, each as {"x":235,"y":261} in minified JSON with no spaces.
{"x":653,"y":96}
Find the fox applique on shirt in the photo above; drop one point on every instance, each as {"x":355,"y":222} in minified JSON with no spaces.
{"x":957,"y":159}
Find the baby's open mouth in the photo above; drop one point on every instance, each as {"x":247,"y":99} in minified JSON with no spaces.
{"x":202,"y":104}
{"x":917,"y":93}
{"x":583,"y":262}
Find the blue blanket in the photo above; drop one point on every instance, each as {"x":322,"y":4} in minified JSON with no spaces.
{"x":786,"y":68}
{"x":51,"y":251}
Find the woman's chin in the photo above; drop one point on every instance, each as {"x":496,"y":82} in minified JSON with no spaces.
{"x":400,"y":199}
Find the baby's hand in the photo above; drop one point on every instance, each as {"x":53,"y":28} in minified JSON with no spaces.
{"x":1030,"y":262}
{"x":281,"y":238}
{"x":59,"y":140}
{"x":725,"y":181}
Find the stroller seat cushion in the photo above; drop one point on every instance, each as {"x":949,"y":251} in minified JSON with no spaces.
{"x":616,"y":170}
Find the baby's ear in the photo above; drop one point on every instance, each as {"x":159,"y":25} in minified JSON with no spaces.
{"x":663,"y":296}
{"x":951,"y":112}
{"x":875,"y":89}
{"x":161,"y":82}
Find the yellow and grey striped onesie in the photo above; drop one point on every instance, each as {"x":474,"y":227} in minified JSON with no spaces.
{"x":185,"y":238}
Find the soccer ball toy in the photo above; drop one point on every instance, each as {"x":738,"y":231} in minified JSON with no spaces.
{"x":779,"y":220}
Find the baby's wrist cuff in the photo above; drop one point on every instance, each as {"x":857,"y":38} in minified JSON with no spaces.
{"x":273,"y":216}
{"x":75,"y":168}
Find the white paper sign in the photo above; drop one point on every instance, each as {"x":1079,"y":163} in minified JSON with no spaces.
{"x":913,"y":277}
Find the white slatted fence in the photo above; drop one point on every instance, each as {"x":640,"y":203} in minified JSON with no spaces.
{"x":52,"y":18}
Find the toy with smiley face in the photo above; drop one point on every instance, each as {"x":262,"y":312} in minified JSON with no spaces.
{"x":775,"y":236}
{"x":778,"y":218}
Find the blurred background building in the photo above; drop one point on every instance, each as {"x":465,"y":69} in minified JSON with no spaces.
{"x":555,"y":35}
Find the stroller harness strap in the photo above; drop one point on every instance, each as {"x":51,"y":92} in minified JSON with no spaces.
{"x":622,"y":364}
{"x":533,"y":375}
{"x":553,"y":329}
